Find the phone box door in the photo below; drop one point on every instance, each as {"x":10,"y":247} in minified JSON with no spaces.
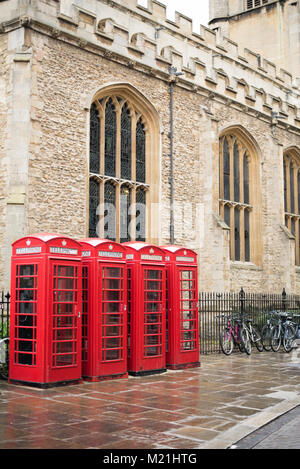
{"x":64,"y":342}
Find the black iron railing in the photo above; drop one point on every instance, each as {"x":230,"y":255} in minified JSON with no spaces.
{"x":212,"y":307}
{"x":4,"y":315}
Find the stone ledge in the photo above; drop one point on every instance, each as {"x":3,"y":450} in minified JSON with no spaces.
{"x":245,"y":266}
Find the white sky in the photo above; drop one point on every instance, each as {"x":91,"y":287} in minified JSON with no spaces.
{"x":195,"y":9}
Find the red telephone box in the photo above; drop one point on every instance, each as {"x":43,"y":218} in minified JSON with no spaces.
{"x":146,"y":309}
{"x":182,"y":308}
{"x":104,"y":322}
{"x":45,"y":325}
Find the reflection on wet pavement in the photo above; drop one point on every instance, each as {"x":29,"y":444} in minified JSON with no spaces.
{"x":178,"y":409}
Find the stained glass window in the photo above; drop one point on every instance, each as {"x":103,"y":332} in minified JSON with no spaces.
{"x":125,"y":214}
{"x":285,"y":186}
{"x":291,"y":176}
{"x":94,"y":201}
{"x":246,"y":179}
{"x":140,"y":152}
{"x":255,"y":3}
{"x":94,"y":140}
{"x":226,"y":173}
{"x":110,"y":211}
{"x":235,"y":196}
{"x":110,"y":139}
{"x":247,"y":235}
{"x":292,"y":190}
{"x":121,"y":168}
{"x":236,"y":164}
{"x":126,"y":143}
{"x":140,"y":215}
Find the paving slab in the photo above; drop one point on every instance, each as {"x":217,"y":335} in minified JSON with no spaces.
{"x":282,"y":433}
{"x":212,"y":407}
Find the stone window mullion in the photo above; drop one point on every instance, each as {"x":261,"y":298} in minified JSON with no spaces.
{"x":118,"y":143}
{"x":133,"y":175}
{"x":242,"y":235}
{"x":102,"y":169}
{"x":118,"y":170}
{"x":101,"y":206}
{"x":133,"y":214}
{"x":117,"y":208}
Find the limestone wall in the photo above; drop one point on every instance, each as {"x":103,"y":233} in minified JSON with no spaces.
{"x":62,"y":53}
{"x":4,"y":87}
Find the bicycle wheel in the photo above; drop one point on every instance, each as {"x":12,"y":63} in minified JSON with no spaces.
{"x":275,"y":338}
{"x":4,"y":350}
{"x":246,"y":341}
{"x":241,"y":347}
{"x":257,"y":339}
{"x":226,"y":342}
{"x":288,"y":338}
{"x":266,"y":337}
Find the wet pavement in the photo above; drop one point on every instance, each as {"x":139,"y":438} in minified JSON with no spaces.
{"x":283,"y":433}
{"x":211,"y":407}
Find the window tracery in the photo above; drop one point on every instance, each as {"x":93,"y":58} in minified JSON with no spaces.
{"x":234,"y":201}
{"x":117,"y":182}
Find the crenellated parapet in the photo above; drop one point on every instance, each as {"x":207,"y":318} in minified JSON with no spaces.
{"x":145,"y":38}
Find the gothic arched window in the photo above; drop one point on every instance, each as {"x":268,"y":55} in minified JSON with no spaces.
{"x":291,"y":174}
{"x":236,"y":206}
{"x":118,"y":170}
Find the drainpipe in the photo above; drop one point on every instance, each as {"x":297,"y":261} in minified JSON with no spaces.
{"x":174,"y":74}
{"x":281,"y":35}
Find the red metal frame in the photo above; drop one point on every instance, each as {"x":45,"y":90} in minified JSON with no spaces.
{"x":104,"y":335}
{"x":146,"y":308}
{"x":45,"y":325}
{"x":182,"y":308}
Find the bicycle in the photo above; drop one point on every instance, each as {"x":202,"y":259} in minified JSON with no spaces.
{"x":4,"y":357}
{"x":254,"y":335}
{"x":267,"y":330}
{"x":232,"y":335}
{"x":245,"y":335}
{"x":297,"y":329}
{"x":283,"y":333}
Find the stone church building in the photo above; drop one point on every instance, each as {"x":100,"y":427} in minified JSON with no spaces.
{"x":117,"y":122}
